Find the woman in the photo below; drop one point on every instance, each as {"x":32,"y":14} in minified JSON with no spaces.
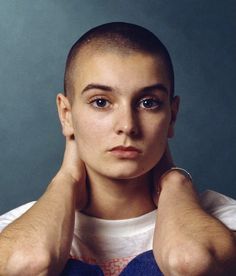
{"x":117,"y":114}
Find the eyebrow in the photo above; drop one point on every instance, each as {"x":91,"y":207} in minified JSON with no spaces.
{"x":92,"y":86}
{"x":158,"y":86}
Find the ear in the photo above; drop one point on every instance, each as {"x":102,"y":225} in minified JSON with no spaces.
{"x":65,"y":116}
{"x":174,"y":111}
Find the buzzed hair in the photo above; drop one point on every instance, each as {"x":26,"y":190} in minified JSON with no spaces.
{"x":120,"y":37}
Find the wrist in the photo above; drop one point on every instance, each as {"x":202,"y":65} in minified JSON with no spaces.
{"x":77,"y":186}
{"x":178,"y":171}
{"x":174,"y":177}
{"x":68,"y":177}
{"x":63,"y":181}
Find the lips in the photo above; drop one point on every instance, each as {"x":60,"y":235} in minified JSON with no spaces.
{"x":125,"y":152}
{"x":126,"y":148}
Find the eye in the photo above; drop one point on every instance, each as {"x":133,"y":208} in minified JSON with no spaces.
{"x":100,"y":103}
{"x":150,"y":103}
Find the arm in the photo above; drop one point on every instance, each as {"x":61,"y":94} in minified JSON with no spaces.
{"x":38,"y":243}
{"x":187,"y":240}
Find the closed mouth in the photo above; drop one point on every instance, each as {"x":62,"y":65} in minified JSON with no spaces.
{"x":122,"y":148}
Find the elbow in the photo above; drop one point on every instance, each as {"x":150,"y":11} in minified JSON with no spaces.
{"x":195,"y":261}
{"x":27,"y":264}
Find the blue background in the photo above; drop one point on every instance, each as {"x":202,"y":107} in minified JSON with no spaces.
{"x":35,"y":37}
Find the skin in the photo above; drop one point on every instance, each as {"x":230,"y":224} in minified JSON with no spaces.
{"x":39,"y":242}
{"x":120,"y":188}
{"x":109,"y":110}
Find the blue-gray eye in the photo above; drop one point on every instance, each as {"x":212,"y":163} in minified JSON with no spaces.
{"x":100,"y":103}
{"x":149,"y":103}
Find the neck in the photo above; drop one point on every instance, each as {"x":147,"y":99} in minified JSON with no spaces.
{"x":118,"y":199}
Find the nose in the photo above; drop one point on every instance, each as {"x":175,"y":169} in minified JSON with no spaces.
{"x":126,"y":122}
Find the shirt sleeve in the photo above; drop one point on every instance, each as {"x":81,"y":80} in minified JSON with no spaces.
{"x":220,"y":206}
{"x":12,"y":215}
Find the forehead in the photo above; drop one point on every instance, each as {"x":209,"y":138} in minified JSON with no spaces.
{"x":125,"y":71}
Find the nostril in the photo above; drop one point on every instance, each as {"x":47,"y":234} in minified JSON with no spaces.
{"x":126,"y":123}
{"x":127,"y":130}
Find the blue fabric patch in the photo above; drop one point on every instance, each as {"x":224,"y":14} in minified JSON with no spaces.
{"x":79,"y":268}
{"x":142,"y":265}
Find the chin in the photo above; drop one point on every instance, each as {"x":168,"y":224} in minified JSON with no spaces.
{"x":126,"y":172}
{"x":122,"y":169}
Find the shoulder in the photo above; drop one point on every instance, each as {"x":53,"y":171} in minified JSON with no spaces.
{"x":220,"y":206}
{"x":10,"y":216}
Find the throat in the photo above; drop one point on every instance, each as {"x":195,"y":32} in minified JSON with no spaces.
{"x":119,"y":199}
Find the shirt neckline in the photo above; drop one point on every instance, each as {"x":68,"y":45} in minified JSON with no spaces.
{"x":103,"y":227}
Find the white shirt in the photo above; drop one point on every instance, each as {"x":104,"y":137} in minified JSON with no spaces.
{"x":112,"y":244}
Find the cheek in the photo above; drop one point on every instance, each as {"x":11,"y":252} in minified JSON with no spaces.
{"x":90,"y":134}
{"x":156,"y":128}
{"x":157,"y":137}
{"x":160,"y":132}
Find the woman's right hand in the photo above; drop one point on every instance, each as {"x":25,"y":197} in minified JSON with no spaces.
{"x":74,"y":168}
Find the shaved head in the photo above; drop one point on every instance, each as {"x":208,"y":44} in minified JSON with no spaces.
{"x":120,"y":38}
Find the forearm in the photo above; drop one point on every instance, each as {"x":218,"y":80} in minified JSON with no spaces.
{"x":41,"y":237}
{"x":193,"y":241}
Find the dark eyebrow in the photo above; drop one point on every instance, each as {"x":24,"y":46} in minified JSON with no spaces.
{"x":158,"y":86}
{"x":97,"y":86}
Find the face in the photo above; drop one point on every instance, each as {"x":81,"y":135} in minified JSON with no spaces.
{"x":121,"y":113}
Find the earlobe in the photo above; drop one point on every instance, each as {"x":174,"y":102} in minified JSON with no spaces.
{"x":174,"y":111}
{"x":65,"y":116}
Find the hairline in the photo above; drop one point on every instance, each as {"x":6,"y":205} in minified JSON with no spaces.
{"x":74,"y":61}
{"x":122,"y":38}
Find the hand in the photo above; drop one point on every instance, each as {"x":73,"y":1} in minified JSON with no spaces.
{"x":165,"y":163}
{"x":73,"y":167}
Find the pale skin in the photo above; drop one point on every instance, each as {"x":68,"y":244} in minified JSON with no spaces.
{"x":119,"y":187}
{"x":118,"y":83}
